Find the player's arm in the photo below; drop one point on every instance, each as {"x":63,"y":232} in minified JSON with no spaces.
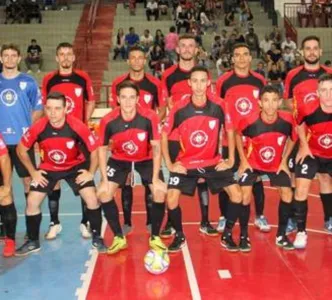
{"x":284,"y":162}
{"x":36,"y":115}
{"x":165,"y":152}
{"x":304,"y":149}
{"x":6,"y":171}
{"x":89,"y":99}
{"x":102,"y":156}
{"x":89,"y":109}
{"x":36,"y":103}
{"x":162,"y":112}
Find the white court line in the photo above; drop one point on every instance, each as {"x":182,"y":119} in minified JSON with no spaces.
{"x":195,"y":293}
{"x":86,"y":277}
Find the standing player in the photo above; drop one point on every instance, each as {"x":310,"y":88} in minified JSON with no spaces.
{"x":133,"y":137}
{"x":270,"y":136}
{"x":77,"y":87}
{"x":149,"y":97}
{"x":314,"y":156}
{"x":64,"y":143}
{"x":175,"y":87}
{"x":240,"y":90}
{"x":198,"y":120}
{"x":301,"y":89}
{"x":20,"y":106}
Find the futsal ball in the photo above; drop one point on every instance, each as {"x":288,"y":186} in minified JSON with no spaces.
{"x":156,"y":262}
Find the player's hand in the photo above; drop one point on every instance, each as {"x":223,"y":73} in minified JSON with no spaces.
{"x":4,"y":191}
{"x":243,"y":167}
{"x":224,"y":165}
{"x":170,"y":102}
{"x":102,"y":189}
{"x":84,"y":177}
{"x":39,"y":179}
{"x":303,"y":152}
{"x":284,"y":167}
{"x":159,"y":186}
{"x":178,"y":168}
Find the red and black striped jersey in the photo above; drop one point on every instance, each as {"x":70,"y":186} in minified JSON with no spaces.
{"x":77,"y":87}
{"x":130,"y":140}
{"x":60,"y":148}
{"x":265,"y":142}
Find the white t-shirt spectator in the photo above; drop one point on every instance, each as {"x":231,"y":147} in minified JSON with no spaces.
{"x":146,"y":41}
{"x":265,"y":45}
{"x":289,"y":57}
{"x":152,"y":6}
{"x":290,"y":44}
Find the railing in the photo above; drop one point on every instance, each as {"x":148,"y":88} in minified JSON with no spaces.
{"x":290,"y":19}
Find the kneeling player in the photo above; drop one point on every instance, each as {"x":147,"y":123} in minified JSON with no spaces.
{"x":270,"y":135}
{"x":63,"y":142}
{"x":131,"y":132}
{"x":314,"y":156}
{"x":198,"y":121}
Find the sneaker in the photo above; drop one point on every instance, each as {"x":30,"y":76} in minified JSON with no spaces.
{"x":98,"y":244}
{"x":9,"y":248}
{"x":328,"y":226}
{"x":119,"y":243}
{"x":85,"y":231}
{"x":2,"y":231}
{"x":244,"y":245}
{"x":149,"y":228}
{"x":127,"y":229}
{"x":178,"y":242}
{"x":291,"y":226}
{"x":27,"y":248}
{"x":284,"y":242}
{"x":262,"y":224}
{"x":301,"y":240}
{"x":221,"y":224}
{"x":156,"y":243}
{"x":53,"y":231}
{"x":168,"y":232}
{"x":207,"y":229}
{"x":228,"y":243}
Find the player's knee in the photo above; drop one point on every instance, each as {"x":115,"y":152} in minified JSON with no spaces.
{"x":286,"y":194}
{"x":325,"y":183}
{"x":159,"y":197}
{"x":235,"y":194}
{"x":6,"y":200}
{"x":301,"y":192}
{"x":172,"y":199}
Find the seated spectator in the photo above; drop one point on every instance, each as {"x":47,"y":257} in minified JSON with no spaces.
{"x":229,"y":19}
{"x":157,"y":60}
{"x":146,"y":40}
{"x":216,"y":48}
{"x":171,"y":42}
{"x":275,"y":77}
{"x":159,"y":39}
{"x":288,"y":43}
{"x":182,"y":21}
{"x":32,"y":11}
{"x":223,"y":38}
{"x":152,"y":9}
{"x":244,"y":13}
{"x":265,"y":46}
{"x":230,"y":43}
{"x":119,"y":44}
{"x":274,"y":57}
{"x":14,"y":11}
{"x":260,"y":69}
{"x":276,"y":37}
{"x":163,"y":7}
{"x":328,"y":63}
{"x":223,"y":64}
{"x":131,"y":39}
{"x":205,"y":22}
{"x":252,"y":41}
{"x":203,"y":57}
{"x":34,"y":56}
{"x":239,"y":38}
{"x":289,"y":58}
{"x":132,"y":7}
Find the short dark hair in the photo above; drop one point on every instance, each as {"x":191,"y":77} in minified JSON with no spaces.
{"x":325,"y":77}
{"x":187,"y":36}
{"x":56,"y":96}
{"x":172,"y":29}
{"x":327,"y":62}
{"x":63,"y":45}
{"x":240,"y":45}
{"x":33,"y":41}
{"x":199,"y":69}
{"x":269,"y":89}
{"x":136,"y":48}
{"x":127,"y":84}
{"x":310,"y":38}
{"x":11,"y":46}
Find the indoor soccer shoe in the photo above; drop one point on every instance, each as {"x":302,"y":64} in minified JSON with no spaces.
{"x":178,"y":243}
{"x":228,"y":243}
{"x":301,"y":240}
{"x":244,"y":245}
{"x":262,"y":224}
{"x":207,"y":229}
{"x":157,"y":244}
{"x":27,"y":248}
{"x":328,"y":226}
{"x":221,"y":224}
{"x":53,"y":231}
{"x":119,"y":243}
{"x":284,"y":242}
{"x":291,"y":226}
{"x":9,"y":248}
{"x":127,"y":229}
{"x":98,"y":244}
{"x":85,"y":230}
{"x":168,"y":232}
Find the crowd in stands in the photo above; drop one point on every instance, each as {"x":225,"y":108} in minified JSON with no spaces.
{"x":315,"y":13}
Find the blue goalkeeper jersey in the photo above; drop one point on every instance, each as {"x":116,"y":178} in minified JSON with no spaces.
{"x":19,"y":97}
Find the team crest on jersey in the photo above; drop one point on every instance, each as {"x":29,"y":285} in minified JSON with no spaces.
{"x":147,"y":98}
{"x":309,"y":97}
{"x":57,"y":156}
{"x":78,"y":92}
{"x":130,"y":148}
{"x":185,"y":96}
{"x":8,"y":97}
{"x":23,"y":85}
{"x":212,"y":124}
{"x":70,"y":144}
{"x":70,"y":105}
{"x":243,"y":106}
{"x":280,"y":140}
{"x":255,"y":93}
{"x":199,"y":138}
{"x":325,"y":141}
{"x":141,"y":136}
{"x":267,"y":154}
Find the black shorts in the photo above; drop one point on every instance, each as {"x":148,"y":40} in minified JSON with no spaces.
{"x":292,"y":156}
{"x":16,"y":162}
{"x":118,"y":170}
{"x":174,"y":150}
{"x":311,"y":166}
{"x":224,"y":155}
{"x":216,"y":180}
{"x":69,"y":176}
{"x":249,"y":178}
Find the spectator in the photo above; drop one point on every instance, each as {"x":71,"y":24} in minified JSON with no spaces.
{"x":276,"y":37}
{"x":223,"y":38}
{"x":205,"y":22}
{"x":289,"y":58}
{"x":216,"y":48}
{"x":229,"y":6}
{"x":171,"y":42}
{"x":252,"y":41}
{"x":157,"y":60}
{"x":152,"y":10}
{"x":203,"y":57}
{"x":146,"y":40}
{"x":230,"y":43}
{"x":159,"y":39}
{"x":131,"y":39}
{"x":260,"y":69}
{"x":229,"y":19}
{"x":289,"y":43}
{"x":265,"y":46}
{"x":163,"y":7}
{"x":182,"y":21}
{"x":34,"y":56}
{"x":244,"y":13}
{"x":32,"y":11}
{"x":275,"y":77}
{"x":119,"y":44}
{"x":15,"y":11}
{"x":274,"y":57}
{"x":239,"y":38}
{"x":223,"y":65}
{"x":328,"y":63}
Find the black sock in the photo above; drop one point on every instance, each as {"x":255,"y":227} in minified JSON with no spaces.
{"x":9,"y":220}
{"x":283,"y":213}
{"x":95,"y":219}
{"x":33,"y":226}
{"x":148,"y":204}
{"x":26,"y":197}
{"x":85,"y":217}
{"x":223,"y":203}
{"x":301,"y":211}
{"x":259,"y":197}
{"x":244,"y":219}
{"x":233,"y":213}
{"x":127,"y":203}
{"x":169,"y":221}
{"x":203,"y":197}
{"x":112,"y":216}
{"x":326,"y":201}
{"x":292,"y":211}
{"x":176,"y":219}
{"x":157,"y":212}
{"x":53,"y":205}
